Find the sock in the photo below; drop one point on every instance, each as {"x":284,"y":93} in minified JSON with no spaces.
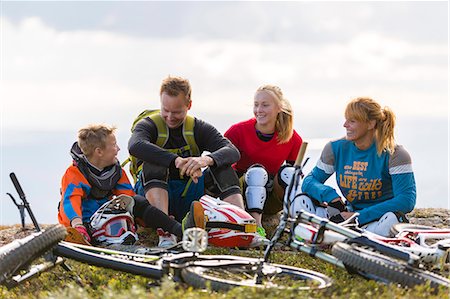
{"x":155,"y":218}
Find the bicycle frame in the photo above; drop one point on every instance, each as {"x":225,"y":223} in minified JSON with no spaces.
{"x":286,"y":221}
{"x":304,"y":237}
{"x":309,"y":238}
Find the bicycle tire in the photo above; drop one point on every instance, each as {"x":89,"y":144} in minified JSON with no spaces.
{"x":143,"y":265}
{"x":381,"y":266}
{"x":32,"y":248}
{"x":396,"y":228}
{"x":224,"y":275}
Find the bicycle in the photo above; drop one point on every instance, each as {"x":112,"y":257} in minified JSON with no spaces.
{"x":16,"y":258}
{"x":219,"y":272}
{"x":359,"y":252}
{"x":431,"y":244}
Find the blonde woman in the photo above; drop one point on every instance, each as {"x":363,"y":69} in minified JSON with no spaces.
{"x":265,"y":142}
{"x":373,"y":173}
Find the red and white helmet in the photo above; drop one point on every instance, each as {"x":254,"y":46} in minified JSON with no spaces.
{"x":230,"y":226}
{"x":113,"y":222}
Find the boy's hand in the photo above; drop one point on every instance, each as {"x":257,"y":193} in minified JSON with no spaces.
{"x":83,"y":231}
{"x":74,"y":236}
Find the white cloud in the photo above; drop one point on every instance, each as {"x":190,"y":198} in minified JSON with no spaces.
{"x":61,"y":80}
{"x":104,"y":63}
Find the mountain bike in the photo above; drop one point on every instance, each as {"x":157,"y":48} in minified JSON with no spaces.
{"x":431,"y":244}
{"x":369,"y":255}
{"x":219,"y":272}
{"x":18,"y":259}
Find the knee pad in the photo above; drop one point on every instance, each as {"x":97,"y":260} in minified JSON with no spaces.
{"x":256,"y":175}
{"x":256,"y":179}
{"x":305,"y":203}
{"x":151,"y":176}
{"x":285,"y":174}
{"x":383,"y":226}
{"x":322,"y":212}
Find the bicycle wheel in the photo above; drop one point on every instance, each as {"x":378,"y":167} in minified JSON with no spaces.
{"x":28,"y":249}
{"x":381,"y":266}
{"x":133,"y":263}
{"x":396,"y":228}
{"x":222,"y":275}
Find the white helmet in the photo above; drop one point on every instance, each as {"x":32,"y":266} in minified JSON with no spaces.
{"x":230,"y":226}
{"x":113,"y":223}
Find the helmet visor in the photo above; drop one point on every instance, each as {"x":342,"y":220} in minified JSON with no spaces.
{"x":118,"y":226}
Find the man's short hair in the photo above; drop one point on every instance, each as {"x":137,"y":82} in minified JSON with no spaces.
{"x":93,"y":136}
{"x":173,"y":86}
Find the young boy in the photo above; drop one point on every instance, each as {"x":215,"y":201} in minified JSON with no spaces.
{"x":96,"y":178}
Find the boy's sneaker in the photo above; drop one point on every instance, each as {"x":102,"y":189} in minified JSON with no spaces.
{"x":195,"y":217}
{"x":166,"y":239}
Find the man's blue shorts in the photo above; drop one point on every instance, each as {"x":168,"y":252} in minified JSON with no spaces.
{"x":179,"y":203}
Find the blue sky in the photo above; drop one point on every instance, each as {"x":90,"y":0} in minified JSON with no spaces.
{"x":67,"y":64}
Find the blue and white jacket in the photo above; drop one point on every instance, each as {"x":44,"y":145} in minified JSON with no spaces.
{"x":372,"y":185}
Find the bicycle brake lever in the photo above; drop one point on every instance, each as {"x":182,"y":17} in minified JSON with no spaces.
{"x":13,"y":199}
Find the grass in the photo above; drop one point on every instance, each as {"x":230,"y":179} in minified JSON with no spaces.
{"x":86,"y":281}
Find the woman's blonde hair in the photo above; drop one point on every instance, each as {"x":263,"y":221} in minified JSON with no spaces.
{"x":285,"y":121}
{"x":93,"y":136}
{"x":366,"y":109}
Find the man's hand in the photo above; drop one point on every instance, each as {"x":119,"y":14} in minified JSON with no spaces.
{"x":196,"y":175}
{"x":192,"y":166}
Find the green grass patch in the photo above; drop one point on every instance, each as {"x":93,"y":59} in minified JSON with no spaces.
{"x":86,"y":281}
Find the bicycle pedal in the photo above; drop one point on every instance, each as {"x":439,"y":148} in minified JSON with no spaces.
{"x":195,"y":239}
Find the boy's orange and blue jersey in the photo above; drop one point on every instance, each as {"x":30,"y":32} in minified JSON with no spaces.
{"x":75,"y":201}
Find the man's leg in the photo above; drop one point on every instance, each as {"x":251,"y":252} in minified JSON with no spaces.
{"x":223,"y":182}
{"x":159,"y":198}
{"x":154,"y":182}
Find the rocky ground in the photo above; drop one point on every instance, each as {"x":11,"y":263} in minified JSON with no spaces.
{"x":430,"y":216}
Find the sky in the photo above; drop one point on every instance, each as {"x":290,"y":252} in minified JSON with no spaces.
{"x":67,"y":64}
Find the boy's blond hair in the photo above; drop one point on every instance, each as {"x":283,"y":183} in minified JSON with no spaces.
{"x":94,"y":136}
